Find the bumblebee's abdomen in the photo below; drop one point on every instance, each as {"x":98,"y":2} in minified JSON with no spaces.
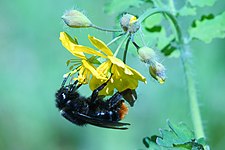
{"x":108,"y":115}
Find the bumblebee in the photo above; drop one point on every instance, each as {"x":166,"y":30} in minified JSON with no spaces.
{"x":93,"y":110}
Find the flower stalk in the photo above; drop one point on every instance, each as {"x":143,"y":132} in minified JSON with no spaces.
{"x":195,"y":111}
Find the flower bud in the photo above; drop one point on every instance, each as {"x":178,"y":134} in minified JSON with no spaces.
{"x":76,"y":19}
{"x":129,"y":23}
{"x":147,"y":54}
{"x":157,"y":71}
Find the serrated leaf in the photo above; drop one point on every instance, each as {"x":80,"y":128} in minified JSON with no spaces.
{"x":119,"y":6}
{"x":187,"y":11}
{"x":178,"y":134}
{"x":147,"y":140}
{"x":204,"y":17}
{"x":154,"y":29}
{"x":169,"y":48}
{"x":168,"y":138}
{"x":182,"y":131}
{"x":202,"y":3}
{"x":208,"y":29}
{"x":178,"y":137}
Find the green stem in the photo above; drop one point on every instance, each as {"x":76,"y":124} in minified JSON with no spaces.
{"x":115,"y":39}
{"x":195,"y":112}
{"x":172,"y":7}
{"x":120,"y":45}
{"x":104,"y":29}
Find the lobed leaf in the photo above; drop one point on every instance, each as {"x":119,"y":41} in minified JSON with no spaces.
{"x":178,"y":137}
{"x":154,"y":20}
{"x":202,"y":3}
{"x":119,"y":6}
{"x":187,"y":11}
{"x":208,"y":28}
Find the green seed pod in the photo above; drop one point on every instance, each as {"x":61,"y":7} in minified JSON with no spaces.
{"x":147,"y":55}
{"x":76,"y":19}
{"x":157,"y":71}
{"x":129,"y":23}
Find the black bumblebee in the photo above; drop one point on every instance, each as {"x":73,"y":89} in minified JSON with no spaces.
{"x":93,"y":110}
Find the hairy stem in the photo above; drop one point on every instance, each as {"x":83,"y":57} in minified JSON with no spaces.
{"x":115,"y":39}
{"x":104,"y":29}
{"x":195,"y":112}
{"x":120,"y":45}
{"x":125,"y":51}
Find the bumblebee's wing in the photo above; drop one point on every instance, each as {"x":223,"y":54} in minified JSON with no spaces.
{"x":103,"y":123}
{"x":84,"y":119}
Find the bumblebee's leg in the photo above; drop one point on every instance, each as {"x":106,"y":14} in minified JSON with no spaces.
{"x":114,"y":100}
{"x":94,"y":94}
{"x":75,"y":86}
{"x":130,"y":96}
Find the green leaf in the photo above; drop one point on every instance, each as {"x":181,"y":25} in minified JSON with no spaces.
{"x":158,"y":33}
{"x":187,"y":11}
{"x":206,"y":29}
{"x":169,"y":48}
{"x":204,"y":17}
{"x":178,"y":137}
{"x":152,"y":21}
{"x":160,"y":40}
{"x":119,"y":6}
{"x":202,"y":3}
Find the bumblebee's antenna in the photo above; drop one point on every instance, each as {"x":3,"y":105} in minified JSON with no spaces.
{"x":65,"y":79}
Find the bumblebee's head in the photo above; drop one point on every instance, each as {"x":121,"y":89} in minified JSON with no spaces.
{"x":65,"y":94}
{"x":62,"y":97}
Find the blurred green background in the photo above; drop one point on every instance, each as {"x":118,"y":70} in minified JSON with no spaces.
{"x":32,"y":62}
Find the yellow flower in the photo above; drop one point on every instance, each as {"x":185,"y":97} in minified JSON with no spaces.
{"x":123,"y":77}
{"x":84,"y":65}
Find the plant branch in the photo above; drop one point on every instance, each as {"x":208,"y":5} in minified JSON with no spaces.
{"x":195,"y":112}
{"x":104,"y":29}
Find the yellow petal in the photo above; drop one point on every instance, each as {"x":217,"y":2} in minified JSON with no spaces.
{"x":81,"y":71}
{"x":100,"y":45}
{"x":124,"y":81}
{"x":137,"y":75}
{"x":69,"y":44}
{"x":116,"y":61}
{"x":104,"y":68}
{"x":81,"y":48}
{"x":95,"y":83}
{"x":128,"y":71}
{"x":115,"y":72}
{"x":93,"y":71}
{"x":121,"y":80}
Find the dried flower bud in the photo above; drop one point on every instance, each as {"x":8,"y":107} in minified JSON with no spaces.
{"x":76,"y":19}
{"x":129,"y":23}
{"x":147,"y":54}
{"x":157,"y":71}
